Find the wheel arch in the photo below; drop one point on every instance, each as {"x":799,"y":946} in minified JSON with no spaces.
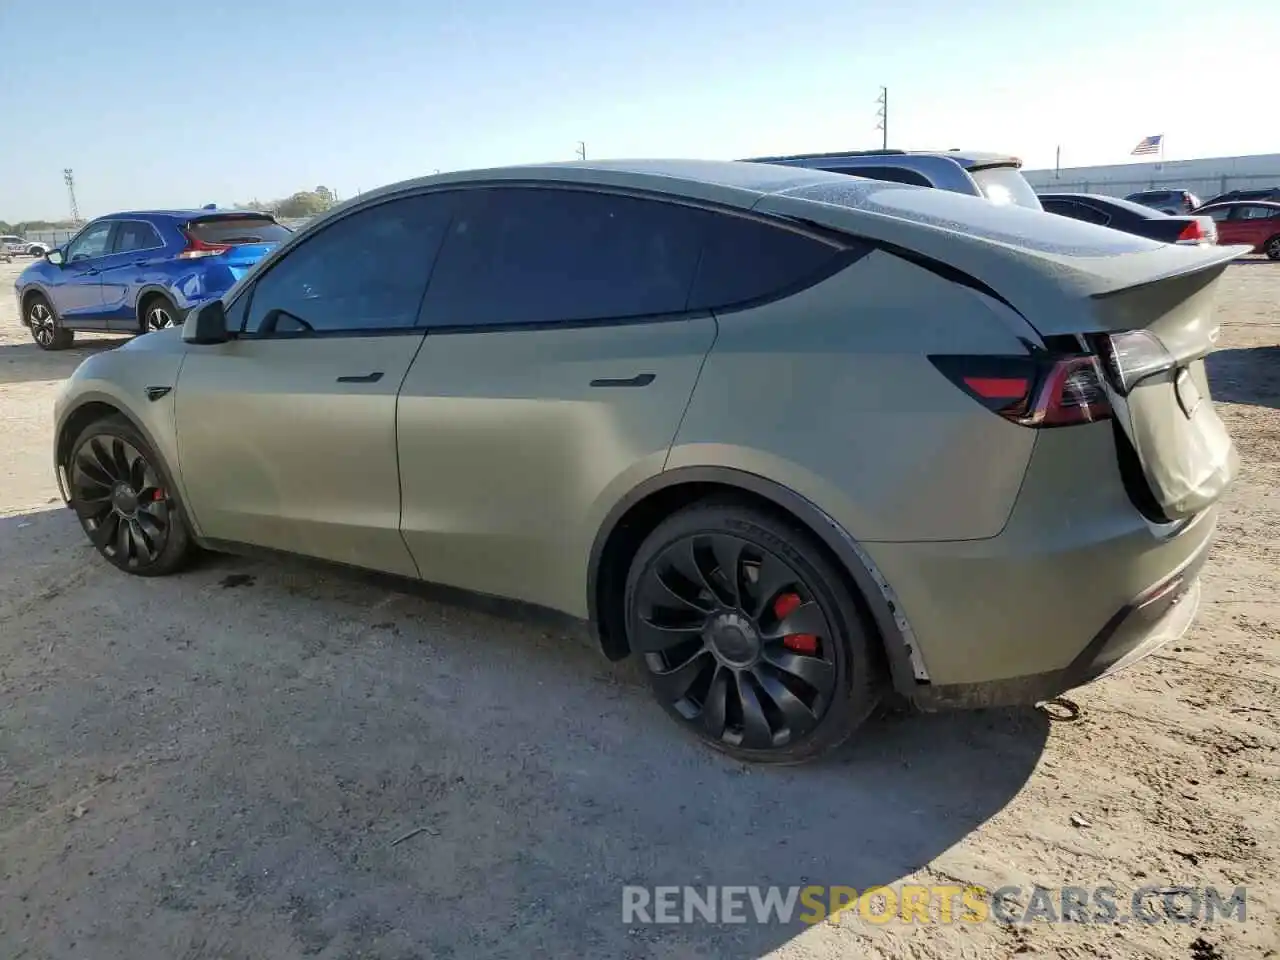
{"x":641,"y":510}
{"x":146,"y":292}
{"x":29,"y":291}
{"x":92,"y":407}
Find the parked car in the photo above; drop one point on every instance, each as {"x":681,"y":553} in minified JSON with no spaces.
{"x":1255,"y":223}
{"x":995,"y":176}
{"x":1131,"y":217}
{"x":15,"y":246}
{"x":140,"y":271}
{"x":1169,"y":201}
{"x":790,"y":437}
{"x":1271,"y":194}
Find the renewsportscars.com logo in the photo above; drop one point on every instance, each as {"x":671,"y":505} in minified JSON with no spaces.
{"x":944,"y":904}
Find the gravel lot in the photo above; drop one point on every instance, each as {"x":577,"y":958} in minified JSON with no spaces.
{"x":216,"y":765}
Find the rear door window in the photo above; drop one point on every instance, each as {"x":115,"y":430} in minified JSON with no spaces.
{"x":522,"y":255}
{"x":1257,"y":213}
{"x":134,"y":235}
{"x":745,"y":260}
{"x":236,"y":230}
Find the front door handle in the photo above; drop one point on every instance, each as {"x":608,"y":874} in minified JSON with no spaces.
{"x":91,"y":272}
{"x":639,"y":380}
{"x":366,"y":378}
{"x":141,"y":263}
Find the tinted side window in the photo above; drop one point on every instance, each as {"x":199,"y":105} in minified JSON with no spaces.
{"x":1219,"y":214}
{"x":744,"y":260}
{"x":1082,"y":211}
{"x":135,"y":235}
{"x":530,"y":255}
{"x":366,"y":271}
{"x":892,"y":174}
{"x":92,"y":242}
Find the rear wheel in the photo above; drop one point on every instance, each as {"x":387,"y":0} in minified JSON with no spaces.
{"x":158,"y":313}
{"x":122,"y":494}
{"x":46,"y":329}
{"x":1272,"y":248}
{"x":752,"y":640}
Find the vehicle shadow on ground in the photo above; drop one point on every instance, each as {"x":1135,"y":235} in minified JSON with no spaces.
{"x":339,"y":769}
{"x":1245,"y":375}
{"x":26,"y":362}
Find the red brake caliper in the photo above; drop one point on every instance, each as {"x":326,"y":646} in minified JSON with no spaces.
{"x":805,"y":643}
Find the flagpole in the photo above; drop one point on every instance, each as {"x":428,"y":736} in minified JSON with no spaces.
{"x":1057,"y":163}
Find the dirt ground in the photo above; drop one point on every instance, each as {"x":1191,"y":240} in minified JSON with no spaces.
{"x":217,"y":765}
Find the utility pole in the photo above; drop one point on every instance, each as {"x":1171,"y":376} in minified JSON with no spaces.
{"x":582,"y":150}
{"x":882,"y":115}
{"x":70,"y":180}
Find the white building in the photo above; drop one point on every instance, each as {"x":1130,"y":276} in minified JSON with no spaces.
{"x":1206,"y":178}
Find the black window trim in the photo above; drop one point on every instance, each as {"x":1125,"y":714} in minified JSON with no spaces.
{"x":115,"y":233}
{"x":848,"y":250}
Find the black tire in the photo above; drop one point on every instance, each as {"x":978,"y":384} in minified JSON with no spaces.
{"x":128,"y":510}
{"x":1272,"y":248}
{"x":45,"y":325}
{"x":155,"y":307}
{"x":707,"y":627}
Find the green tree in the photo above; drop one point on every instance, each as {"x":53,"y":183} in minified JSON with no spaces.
{"x":306,"y":203}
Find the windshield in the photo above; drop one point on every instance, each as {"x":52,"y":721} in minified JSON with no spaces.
{"x":1006,"y":186}
{"x":237,"y":230}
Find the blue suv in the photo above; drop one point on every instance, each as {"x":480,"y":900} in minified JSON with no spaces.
{"x":142,"y":271}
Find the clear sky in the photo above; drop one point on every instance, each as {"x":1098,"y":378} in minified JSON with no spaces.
{"x":181,"y":103}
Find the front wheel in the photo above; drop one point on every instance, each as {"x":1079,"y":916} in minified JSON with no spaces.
{"x":752,"y":640}
{"x":124,"y":499}
{"x":1272,"y":248}
{"x":46,"y":329}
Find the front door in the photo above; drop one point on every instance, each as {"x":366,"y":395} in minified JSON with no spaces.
{"x":286,"y":434}
{"x":77,"y":297}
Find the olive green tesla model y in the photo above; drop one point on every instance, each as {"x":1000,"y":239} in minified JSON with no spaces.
{"x":796,"y":439}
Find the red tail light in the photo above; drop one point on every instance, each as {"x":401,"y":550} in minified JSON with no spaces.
{"x":197,"y":248}
{"x":1030,"y":391}
{"x":1192,"y":232}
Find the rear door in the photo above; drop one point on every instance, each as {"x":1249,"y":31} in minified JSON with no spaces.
{"x":136,"y":248}
{"x":1256,"y":224}
{"x":559,"y":358}
{"x":286,"y":434}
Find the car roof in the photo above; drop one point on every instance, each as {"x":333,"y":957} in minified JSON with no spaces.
{"x":732,"y":182}
{"x":1242,"y":203}
{"x":966,"y":158}
{"x":181,"y":214}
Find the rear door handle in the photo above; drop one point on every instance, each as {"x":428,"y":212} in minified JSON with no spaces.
{"x":367,"y":378}
{"x":639,"y":380}
{"x":141,"y":263}
{"x":92,"y":272}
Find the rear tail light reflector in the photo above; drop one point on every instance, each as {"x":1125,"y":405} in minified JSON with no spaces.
{"x":1032,"y":391}
{"x":197,"y":248}
{"x":1131,"y":357}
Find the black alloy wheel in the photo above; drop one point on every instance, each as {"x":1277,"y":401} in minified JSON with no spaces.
{"x":123,"y":500}
{"x":741,"y":632}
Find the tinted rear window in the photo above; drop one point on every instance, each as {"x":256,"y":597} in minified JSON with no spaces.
{"x":237,"y":230}
{"x":745,"y":260}
{"x":1006,"y":186}
{"x":890,"y":174}
{"x":525,"y":255}
{"x":1032,"y":229}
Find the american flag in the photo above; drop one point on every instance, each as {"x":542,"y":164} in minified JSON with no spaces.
{"x":1148,"y":145}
